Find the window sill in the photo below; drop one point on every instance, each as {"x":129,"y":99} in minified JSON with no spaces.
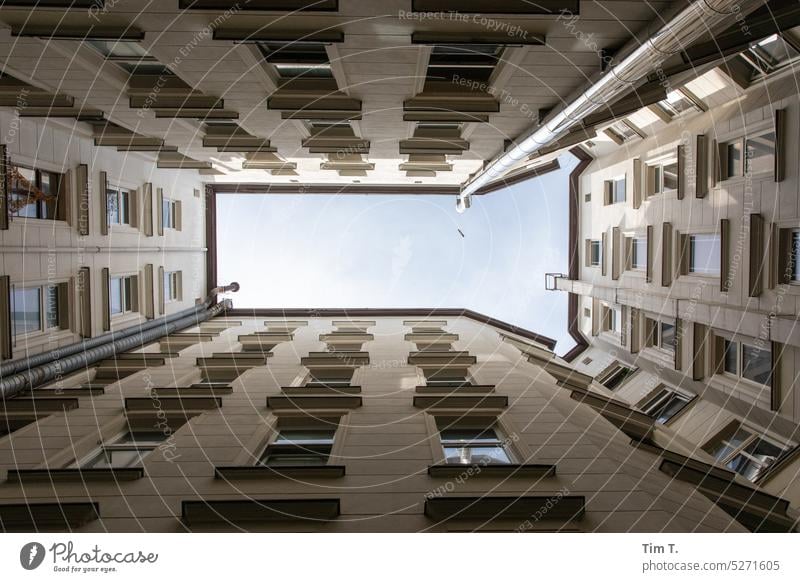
{"x":74,"y":474}
{"x":490,"y":470}
{"x":288,"y":472}
{"x":41,"y":222}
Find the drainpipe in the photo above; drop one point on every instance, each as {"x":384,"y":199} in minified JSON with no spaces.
{"x":37,"y":370}
{"x":685,"y":27}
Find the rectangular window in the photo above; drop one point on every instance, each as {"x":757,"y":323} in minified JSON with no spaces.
{"x":662,"y":177}
{"x":618,"y":190}
{"x":677,"y":102}
{"x":742,"y":450}
{"x":123,"y":294}
{"x":704,"y":254}
{"x":795,"y":255}
{"x":129,"y":55}
{"x":639,"y":253}
{"x":760,"y":153}
{"x":168,"y":212}
{"x":770,"y":54}
{"x":37,"y":194}
{"x":329,"y":378}
{"x":129,"y":450}
{"x":665,"y":404}
{"x":171,"y":286}
{"x":473,"y":446}
{"x":299,"y":447}
{"x":615,"y":375}
{"x":51,"y":306}
{"x":26,"y":308}
{"x":118,"y":205}
{"x":731,"y":160}
{"x":747,"y":361}
{"x":596,"y":253}
{"x":445,"y":378}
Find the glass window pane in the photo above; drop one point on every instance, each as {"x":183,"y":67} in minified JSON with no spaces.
{"x":112,"y":205}
{"x":667,"y":339}
{"x":469,"y":435}
{"x":115,"y":295}
{"x":734,"y":154}
{"x":639,"y":259}
{"x":674,"y":404}
{"x":796,"y":255}
{"x":279,"y":459}
{"x":596,"y":252}
{"x":619,"y":190}
{"x":119,"y":49}
{"x":727,"y":445}
{"x":670,"y":173}
{"x":51,"y":306}
{"x":475,"y":455}
{"x":760,"y":153}
{"x":305,"y":436}
{"x":21,"y":194}
{"x":731,"y":357}
{"x":27,"y":307}
{"x":757,"y":364}
{"x":704,"y":251}
{"x":124,"y":209}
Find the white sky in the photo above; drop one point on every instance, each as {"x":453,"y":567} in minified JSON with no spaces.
{"x":376,"y":251}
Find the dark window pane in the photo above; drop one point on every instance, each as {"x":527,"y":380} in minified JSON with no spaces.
{"x":731,"y":357}
{"x":756,"y":364}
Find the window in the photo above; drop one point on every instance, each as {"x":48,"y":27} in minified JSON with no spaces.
{"x":742,"y":450}
{"x":759,"y":153}
{"x":118,"y":205}
{"x":612,"y":319}
{"x":677,"y":102}
{"x":292,"y":59}
{"x":168,"y":213}
{"x":746,"y":361}
{"x":473,"y":62}
{"x":704,"y":254}
{"x":304,"y":447}
{"x":124,"y":294}
{"x":129,"y":450}
{"x":473,"y":446}
{"x":329,"y":378}
{"x":771,"y":53}
{"x":172,"y":286}
{"x":639,"y":253}
{"x":662,"y":177}
{"x":35,"y":309}
{"x":661,"y":334}
{"x":37,"y":194}
{"x":618,"y":190}
{"x":615,"y":375}
{"x":596,"y":252}
{"x":626,"y":130}
{"x":445,"y":378}
{"x":587,"y":197}
{"x":795,"y":255}
{"x":131,"y":56}
{"x":664,"y":404}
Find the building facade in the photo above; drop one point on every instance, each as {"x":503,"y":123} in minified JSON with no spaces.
{"x":684,"y":284}
{"x":334,"y":423}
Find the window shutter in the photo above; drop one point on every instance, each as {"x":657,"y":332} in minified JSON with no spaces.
{"x":161,"y":290}
{"x":64,"y":306}
{"x":106,"y":300}
{"x":64,"y":202}
{"x":775,"y":378}
{"x":608,"y":192}
{"x":603,"y":254}
{"x":102,"y":187}
{"x":178,"y":215}
{"x":82,"y":189}
{"x":701,"y":167}
{"x":149,"y":303}
{"x":757,"y":264}
{"x":587,"y":252}
{"x":699,"y":347}
{"x":785,"y":258}
{"x":624,"y":327}
{"x":148,"y":209}
{"x":4,"y":210}
{"x":596,"y":316}
{"x":780,"y":145}
{"x":136,"y":292}
{"x":681,"y":172}
{"x":724,"y":255}
{"x":85,"y":302}
{"x":180,"y":285}
{"x":666,"y":254}
{"x":637,"y":183}
{"x":649,"y":258}
{"x":5,"y":317}
{"x":615,"y":256}
{"x":678,"y":344}
{"x":650,"y":177}
{"x":160,"y":211}
{"x":134,"y":208}
{"x":682,"y":243}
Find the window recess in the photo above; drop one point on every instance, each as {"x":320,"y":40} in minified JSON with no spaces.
{"x":615,"y":190}
{"x":127,"y":450}
{"x":741,"y":360}
{"x":662,"y":177}
{"x":615,"y":375}
{"x":35,"y":193}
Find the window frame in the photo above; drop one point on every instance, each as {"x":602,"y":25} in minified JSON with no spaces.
{"x":614,"y":370}
{"x":595,"y":245}
{"x":123,"y":201}
{"x":316,"y":449}
{"x":41,"y":208}
{"x":739,"y":349}
{"x":659,"y":400}
{"x":172,"y":282}
{"x":496,"y":442}
{"x":132,"y":302}
{"x":91,"y":460}
{"x":655,"y":174}
{"x":614,"y":189}
{"x":169,"y":213}
{"x":690,"y":257}
{"x":45,"y":313}
{"x":728,"y":432}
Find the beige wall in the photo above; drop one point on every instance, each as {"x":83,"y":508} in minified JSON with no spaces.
{"x":386,"y":446}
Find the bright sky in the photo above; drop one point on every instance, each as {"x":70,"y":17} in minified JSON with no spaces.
{"x":403,"y":251}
